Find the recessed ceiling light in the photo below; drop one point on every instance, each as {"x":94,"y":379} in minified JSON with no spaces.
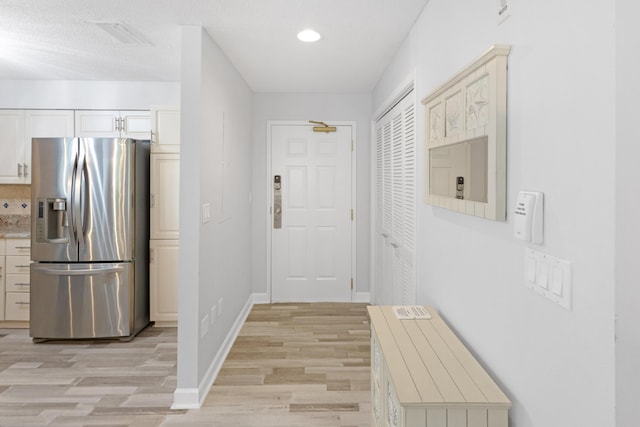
{"x":308,"y":36}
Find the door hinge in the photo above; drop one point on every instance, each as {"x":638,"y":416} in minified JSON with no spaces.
{"x":152,"y":200}
{"x":352,"y":283}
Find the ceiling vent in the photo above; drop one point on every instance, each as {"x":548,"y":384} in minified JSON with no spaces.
{"x":124,"y":33}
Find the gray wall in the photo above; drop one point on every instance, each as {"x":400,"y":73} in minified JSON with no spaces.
{"x":627,"y":208}
{"x":100,"y":95}
{"x":215,"y":168}
{"x":557,"y":366}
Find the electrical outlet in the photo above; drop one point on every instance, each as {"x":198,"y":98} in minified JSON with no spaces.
{"x":206,"y":213}
{"x":220,"y":307}
{"x":213,"y":315}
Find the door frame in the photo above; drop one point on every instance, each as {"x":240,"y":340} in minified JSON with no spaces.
{"x":269,"y":199}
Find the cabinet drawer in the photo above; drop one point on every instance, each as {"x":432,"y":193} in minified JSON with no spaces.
{"x":17,"y":283}
{"x":17,"y":264}
{"x":17,"y":306}
{"x":18,"y":247}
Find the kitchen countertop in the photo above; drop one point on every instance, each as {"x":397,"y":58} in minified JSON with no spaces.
{"x":15,"y":226}
{"x":14,"y":233}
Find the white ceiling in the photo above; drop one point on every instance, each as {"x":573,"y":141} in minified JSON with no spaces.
{"x":58,"y":39}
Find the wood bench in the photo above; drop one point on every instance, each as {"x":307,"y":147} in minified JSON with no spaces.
{"x":423,"y":376}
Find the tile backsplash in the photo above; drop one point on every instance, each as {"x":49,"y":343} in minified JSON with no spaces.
{"x":15,"y":206}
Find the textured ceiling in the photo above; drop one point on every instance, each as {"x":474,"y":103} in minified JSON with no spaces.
{"x":58,"y":39}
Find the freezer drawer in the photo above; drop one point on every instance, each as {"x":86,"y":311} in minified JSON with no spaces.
{"x":81,"y":300}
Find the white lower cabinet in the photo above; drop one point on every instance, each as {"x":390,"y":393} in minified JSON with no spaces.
{"x":3,"y":274}
{"x":163,"y":276}
{"x":16,"y":280}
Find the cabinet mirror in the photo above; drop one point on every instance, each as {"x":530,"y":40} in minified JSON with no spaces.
{"x":465,"y":139}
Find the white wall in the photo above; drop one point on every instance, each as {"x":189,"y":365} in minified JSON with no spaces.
{"x":72,"y":94}
{"x":627,"y":208}
{"x":557,"y":366}
{"x":323,"y":107}
{"x":215,"y":258}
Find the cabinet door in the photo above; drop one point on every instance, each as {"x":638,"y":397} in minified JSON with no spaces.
{"x":97,"y":124}
{"x":163,"y":277}
{"x":2,"y":283}
{"x":165,"y":196}
{"x":17,"y":306}
{"x":44,"y":124}
{"x":12,"y":146}
{"x":135,"y":124}
{"x":17,"y":264}
{"x":165,"y":123}
{"x":17,"y":283}
{"x":17,"y":247}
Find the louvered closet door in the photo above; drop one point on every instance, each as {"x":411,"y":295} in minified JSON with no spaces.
{"x":395,"y":194}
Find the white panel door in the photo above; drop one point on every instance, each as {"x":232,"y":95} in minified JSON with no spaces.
{"x":311,"y":252}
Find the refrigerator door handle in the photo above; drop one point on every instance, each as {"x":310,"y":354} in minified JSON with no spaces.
{"x":80,"y":272}
{"x":84,"y":199}
{"x":79,"y":195}
{"x":74,"y":203}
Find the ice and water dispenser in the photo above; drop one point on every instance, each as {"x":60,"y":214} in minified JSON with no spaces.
{"x":52,"y":222}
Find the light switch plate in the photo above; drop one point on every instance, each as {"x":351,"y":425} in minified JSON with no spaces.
{"x":549,"y":276}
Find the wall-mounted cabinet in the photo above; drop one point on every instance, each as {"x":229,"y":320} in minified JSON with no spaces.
{"x":465,"y":139}
{"x":112,"y":124}
{"x":12,"y":146}
{"x":165,"y":125}
{"x":17,"y":128}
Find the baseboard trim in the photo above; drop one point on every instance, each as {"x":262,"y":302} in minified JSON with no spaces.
{"x":185,"y":398}
{"x":191,"y":398}
{"x":262,"y":298}
{"x":362,"y":297}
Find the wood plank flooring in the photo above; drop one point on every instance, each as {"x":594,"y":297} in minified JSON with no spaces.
{"x":291,"y":365}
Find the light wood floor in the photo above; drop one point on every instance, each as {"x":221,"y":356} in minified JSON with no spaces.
{"x":292,"y":365}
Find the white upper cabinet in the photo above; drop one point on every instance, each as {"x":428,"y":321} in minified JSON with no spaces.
{"x":165,"y":126}
{"x":17,"y":128}
{"x":12,"y":142}
{"x":112,"y":124}
{"x":44,"y":124}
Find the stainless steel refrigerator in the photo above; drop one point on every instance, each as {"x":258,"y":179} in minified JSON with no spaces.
{"x":89,"y":238}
